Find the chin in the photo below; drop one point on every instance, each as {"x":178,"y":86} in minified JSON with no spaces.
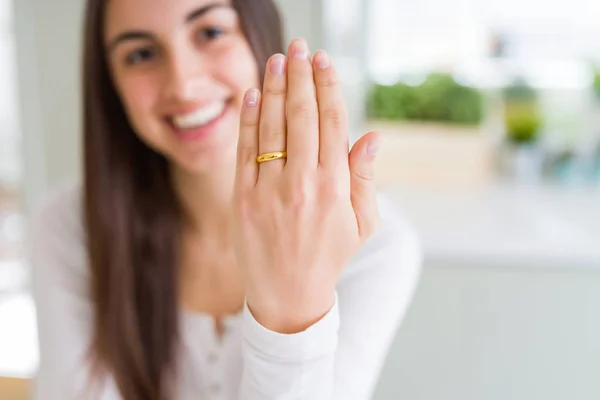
{"x":208,"y":159}
{"x":211,"y":147}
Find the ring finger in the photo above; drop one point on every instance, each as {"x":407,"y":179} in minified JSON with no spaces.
{"x":272,"y":128}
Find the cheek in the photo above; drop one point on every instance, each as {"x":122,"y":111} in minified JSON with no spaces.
{"x":240,"y":68}
{"x":138,"y":96}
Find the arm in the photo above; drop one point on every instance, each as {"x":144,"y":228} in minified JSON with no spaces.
{"x":340,"y":357}
{"x":376,"y":298}
{"x":64,"y":310}
{"x":298,"y":220}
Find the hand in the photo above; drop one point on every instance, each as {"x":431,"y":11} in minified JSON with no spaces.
{"x":299,"y":221}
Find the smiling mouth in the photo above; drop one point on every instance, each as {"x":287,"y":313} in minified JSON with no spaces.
{"x":200,"y":117}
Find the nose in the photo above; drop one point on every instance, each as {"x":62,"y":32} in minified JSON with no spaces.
{"x":185,"y":76}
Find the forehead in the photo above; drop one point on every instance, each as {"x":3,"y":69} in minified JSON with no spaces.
{"x":154,"y":15}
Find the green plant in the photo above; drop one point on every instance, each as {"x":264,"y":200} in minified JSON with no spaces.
{"x":390,"y":102}
{"x":523,"y":123}
{"x":596,"y":83}
{"x":439,"y":98}
{"x":519,"y":90}
{"x":522,"y":115}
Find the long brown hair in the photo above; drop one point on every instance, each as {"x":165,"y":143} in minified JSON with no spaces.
{"x":133,"y":218}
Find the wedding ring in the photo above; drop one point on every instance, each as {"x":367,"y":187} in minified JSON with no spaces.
{"x":275,"y":155}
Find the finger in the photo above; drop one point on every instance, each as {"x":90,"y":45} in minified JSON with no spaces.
{"x":272,"y":127}
{"x":302,"y":109}
{"x":333,"y":116}
{"x":363,"y":190}
{"x":247,"y":167}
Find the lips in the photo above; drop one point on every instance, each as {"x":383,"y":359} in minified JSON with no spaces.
{"x":199,"y":124}
{"x":200,"y":117}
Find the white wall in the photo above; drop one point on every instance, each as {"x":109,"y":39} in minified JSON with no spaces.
{"x":48,"y":37}
{"x":9,"y":136}
{"x":303,"y":19}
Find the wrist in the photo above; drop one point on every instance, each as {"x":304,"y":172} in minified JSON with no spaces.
{"x":290,"y":317}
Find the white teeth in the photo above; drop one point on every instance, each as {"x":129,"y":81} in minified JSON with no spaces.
{"x":199,"y":117}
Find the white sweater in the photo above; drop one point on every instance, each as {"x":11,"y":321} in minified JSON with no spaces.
{"x":338,"y":358}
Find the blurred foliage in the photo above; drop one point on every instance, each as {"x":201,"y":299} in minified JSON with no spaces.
{"x":519,"y":90}
{"x":522,"y":113}
{"x":596,"y":84}
{"x":523,"y":122}
{"x":439,"y":98}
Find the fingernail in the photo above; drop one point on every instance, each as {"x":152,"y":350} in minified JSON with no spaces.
{"x":322,"y":60}
{"x":373,"y":148}
{"x":299,"y":50}
{"x":251,"y":98}
{"x":278,"y":64}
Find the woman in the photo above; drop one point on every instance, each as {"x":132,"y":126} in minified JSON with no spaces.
{"x":200,"y":260}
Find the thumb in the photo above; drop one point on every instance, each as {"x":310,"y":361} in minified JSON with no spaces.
{"x":363,"y":188}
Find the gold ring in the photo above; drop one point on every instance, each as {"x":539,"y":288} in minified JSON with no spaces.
{"x":275,"y":155}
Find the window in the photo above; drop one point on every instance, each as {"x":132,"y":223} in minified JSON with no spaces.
{"x":18,"y":343}
{"x":9,"y":138}
{"x":549,"y":42}
{"x":10,"y":220}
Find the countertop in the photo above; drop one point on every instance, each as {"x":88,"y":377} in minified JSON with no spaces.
{"x":503,"y":225}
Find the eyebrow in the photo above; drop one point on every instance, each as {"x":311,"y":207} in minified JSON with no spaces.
{"x":144,"y":35}
{"x":203,"y":10}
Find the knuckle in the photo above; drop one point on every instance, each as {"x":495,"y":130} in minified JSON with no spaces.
{"x":274,"y":91}
{"x":299,"y":181}
{"x":328,"y":81}
{"x":299,"y":191}
{"x":302,"y":110}
{"x":299,"y":200}
{"x":329,"y":194}
{"x":365,"y":176}
{"x":335,"y":116}
{"x":249,"y":121}
{"x":299,"y":109}
{"x":301,"y":70}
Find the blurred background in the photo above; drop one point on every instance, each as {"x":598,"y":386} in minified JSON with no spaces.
{"x":490,"y":112}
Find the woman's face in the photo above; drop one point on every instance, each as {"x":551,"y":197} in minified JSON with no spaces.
{"x":181,"y":68}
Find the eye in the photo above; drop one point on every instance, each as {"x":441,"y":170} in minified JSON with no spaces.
{"x":209,"y":34}
{"x":140,"y":55}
